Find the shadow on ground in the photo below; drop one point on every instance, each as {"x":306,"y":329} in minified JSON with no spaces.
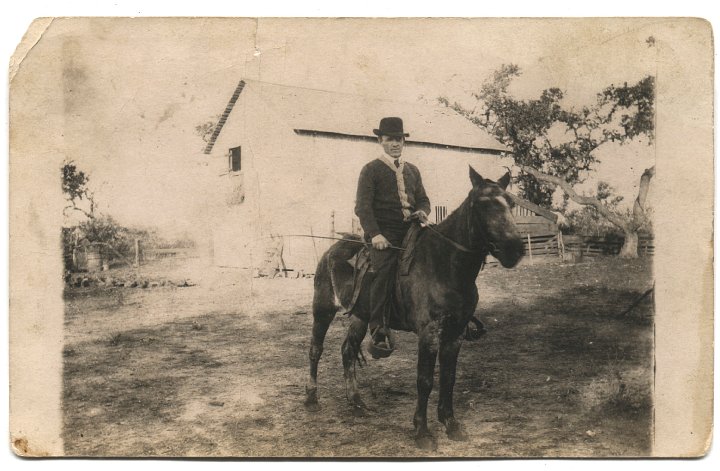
{"x":560,"y":373}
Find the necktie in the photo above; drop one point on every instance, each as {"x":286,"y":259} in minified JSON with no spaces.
{"x":397,"y":163}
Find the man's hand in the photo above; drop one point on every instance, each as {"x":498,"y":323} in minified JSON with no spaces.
{"x":420,"y":216}
{"x":379,"y":242}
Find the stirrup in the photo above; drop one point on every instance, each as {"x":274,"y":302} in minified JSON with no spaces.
{"x":383,"y":348}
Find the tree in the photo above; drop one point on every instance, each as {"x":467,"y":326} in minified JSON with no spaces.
{"x":206,"y":129}
{"x":588,"y":221}
{"x":75,"y":188}
{"x":555,"y":147}
{"x":99,"y":229}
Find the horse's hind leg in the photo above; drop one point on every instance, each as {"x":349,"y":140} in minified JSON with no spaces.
{"x":323,"y":315}
{"x":350,"y":353}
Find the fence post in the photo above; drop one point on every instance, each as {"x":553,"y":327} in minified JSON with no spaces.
{"x":561,"y":246}
{"x":312,"y":236}
{"x":137,"y":252}
{"x":530,"y":248}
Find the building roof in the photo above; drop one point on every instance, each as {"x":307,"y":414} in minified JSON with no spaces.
{"x":343,"y":115}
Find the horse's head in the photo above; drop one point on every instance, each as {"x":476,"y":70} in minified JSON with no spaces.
{"x":492,"y":223}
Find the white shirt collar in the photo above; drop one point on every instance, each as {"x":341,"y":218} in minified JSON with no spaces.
{"x":391,"y":161}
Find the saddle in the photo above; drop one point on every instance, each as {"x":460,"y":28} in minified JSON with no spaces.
{"x":382,"y":339}
{"x":362,"y":265}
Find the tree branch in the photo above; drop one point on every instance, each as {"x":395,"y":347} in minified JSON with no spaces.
{"x":72,"y":206}
{"x":534,"y":208}
{"x":584,"y":200}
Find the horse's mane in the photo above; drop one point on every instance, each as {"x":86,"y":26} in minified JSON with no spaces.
{"x":447,"y":225}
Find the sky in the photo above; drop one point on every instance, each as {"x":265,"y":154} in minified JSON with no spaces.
{"x":136,"y":88}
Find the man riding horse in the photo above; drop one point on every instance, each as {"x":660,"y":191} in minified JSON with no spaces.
{"x":390,"y":195}
{"x":437,"y":292}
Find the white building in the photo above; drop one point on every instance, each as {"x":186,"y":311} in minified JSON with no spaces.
{"x":287,"y":160}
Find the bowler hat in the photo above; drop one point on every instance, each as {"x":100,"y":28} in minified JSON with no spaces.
{"x":391,"y":127}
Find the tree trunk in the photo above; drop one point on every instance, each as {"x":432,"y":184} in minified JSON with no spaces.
{"x":630,"y":246}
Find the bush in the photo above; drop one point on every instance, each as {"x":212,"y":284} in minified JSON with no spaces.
{"x":116,"y":239}
{"x":102,"y":230}
{"x":588,"y":222}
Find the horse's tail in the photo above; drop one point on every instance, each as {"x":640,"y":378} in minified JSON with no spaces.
{"x":333,"y":276}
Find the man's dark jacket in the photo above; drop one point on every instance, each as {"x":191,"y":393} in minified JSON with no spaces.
{"x":378,"y":202}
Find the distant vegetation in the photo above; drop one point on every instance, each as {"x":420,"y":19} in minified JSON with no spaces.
{"x":554,"y":146}
{"x":117,"y":241}
{"x":589,"y":222}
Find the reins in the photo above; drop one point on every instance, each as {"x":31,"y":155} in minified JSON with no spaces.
{"x":352,"y":241}
{"x":449,"y":240}
{"x":456,"y":244}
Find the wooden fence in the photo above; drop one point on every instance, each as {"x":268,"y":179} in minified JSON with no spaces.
{"x":543,"y":244}
{"x":178,"y":252}
{"x":98,"y":256}
{"x":593,"y":245}
{"x":559,"y":245}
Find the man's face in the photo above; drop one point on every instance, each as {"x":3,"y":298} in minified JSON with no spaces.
{"x":392,"y":145}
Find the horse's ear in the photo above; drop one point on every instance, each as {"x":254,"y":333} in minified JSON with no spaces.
{"x":476,"y":179}
{"x":504,"y":181}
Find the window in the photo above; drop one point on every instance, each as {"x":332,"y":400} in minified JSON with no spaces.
{"x":234,"y":162}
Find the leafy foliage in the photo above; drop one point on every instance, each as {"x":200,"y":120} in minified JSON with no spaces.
{"x":74,"y":181}
{"x":557,"y":141}
{"x":117,"y":239}
{"x":106,"y":231}
{"x":206,"y":129}
{"x":75,"y":188}
{"x":588,"y":221}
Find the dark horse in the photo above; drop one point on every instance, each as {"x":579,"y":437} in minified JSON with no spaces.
{"x":439,"y":296}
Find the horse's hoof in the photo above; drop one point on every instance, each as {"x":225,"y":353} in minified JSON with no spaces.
{"x":311,"y":399}
{"x":358,"y":411}
{"x":474,"y":330}
{"x":356,"y":401}
{"x":457,"y":434}
{"x":426,"y":442}
{"x":454,"y":429}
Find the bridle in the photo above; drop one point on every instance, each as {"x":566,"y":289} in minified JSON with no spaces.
{"x":488,"y":247}
{"x":447,"y":239}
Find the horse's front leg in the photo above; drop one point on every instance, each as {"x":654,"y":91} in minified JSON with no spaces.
{"x":449,"y":350}
{"x":427,"y":355}
{"x":350,"y":355}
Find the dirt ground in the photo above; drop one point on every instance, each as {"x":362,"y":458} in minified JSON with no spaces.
{"x":218,"y":369}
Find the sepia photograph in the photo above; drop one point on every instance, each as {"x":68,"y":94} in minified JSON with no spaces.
{"x":364,"y":238}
